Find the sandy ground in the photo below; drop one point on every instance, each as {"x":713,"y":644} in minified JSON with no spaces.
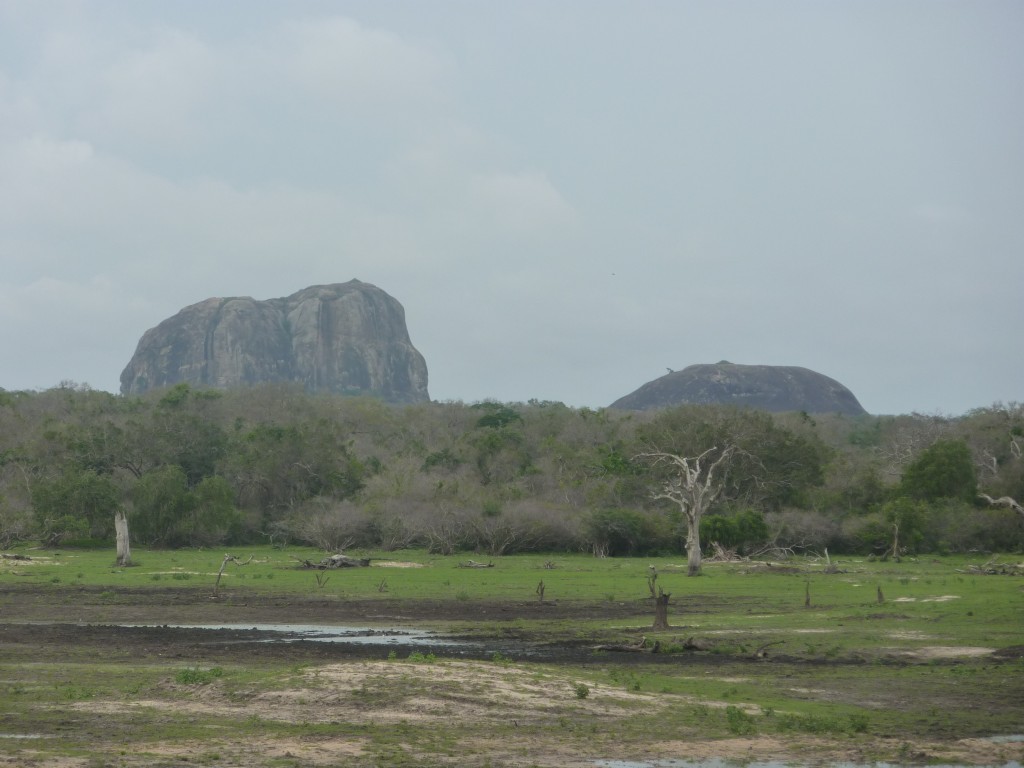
{"x":347,"y":692}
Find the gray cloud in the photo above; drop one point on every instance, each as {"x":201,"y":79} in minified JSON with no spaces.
{"x":567,"y":198}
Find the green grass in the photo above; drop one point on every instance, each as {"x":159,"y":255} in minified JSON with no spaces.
{"x":576,"y":576}
{"x":848,"y":681}
{"x":742,"y":605}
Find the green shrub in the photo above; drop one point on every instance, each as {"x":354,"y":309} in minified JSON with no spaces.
{"x":196,"y":676}
{"x":582,"y":690}
{"x":421,"y":658}
{"x":739,"y":722}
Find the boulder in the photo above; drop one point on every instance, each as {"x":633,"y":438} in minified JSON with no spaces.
{"x":347,"y":338}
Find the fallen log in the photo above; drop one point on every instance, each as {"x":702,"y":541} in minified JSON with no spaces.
{"x":992,"y":568}
{"x":638,"y":647}
{"x":762,"y":652}
{"x":475,"y":564}
{"x":697,"y":644}
{"x":336,"y":561}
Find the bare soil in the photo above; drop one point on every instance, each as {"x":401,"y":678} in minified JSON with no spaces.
{"x":346,"y":690}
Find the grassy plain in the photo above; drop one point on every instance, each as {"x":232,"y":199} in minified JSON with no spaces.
{"x":763,"y":661}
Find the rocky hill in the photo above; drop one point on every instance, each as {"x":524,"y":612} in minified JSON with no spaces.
{"x":765,"y":387}
{"x":348,"y":338}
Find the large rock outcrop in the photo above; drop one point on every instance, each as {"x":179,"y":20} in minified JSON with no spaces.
{"x":348,"y":338}
{"x":765,"y":387}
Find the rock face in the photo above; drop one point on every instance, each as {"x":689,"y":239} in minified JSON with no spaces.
{"x":764,"y":387}
{"x":347,"y":338}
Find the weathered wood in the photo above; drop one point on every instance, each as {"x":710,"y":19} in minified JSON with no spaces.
{"x":762,"y":651}
{"x":1003,"y":501}
{"x":336,"y":561}
{"x":992,"y":568}
{"x":124,"y":550}
{"x":224,"y":564}
{"x":660,"y":611}
{"x":639,"y":647}
{"x":697,"y":644}
{"x":720,"y":554}
{"x":475,"y":564}
{"x":693,"y":488}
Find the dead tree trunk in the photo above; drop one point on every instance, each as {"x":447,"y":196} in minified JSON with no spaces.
{"x":894,"y":551}
{"x":124,"y":550}
{"x":661,"y":611}
{"x":223,"y":565}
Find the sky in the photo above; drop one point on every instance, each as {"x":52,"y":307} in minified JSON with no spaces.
{"x":568,"y":197}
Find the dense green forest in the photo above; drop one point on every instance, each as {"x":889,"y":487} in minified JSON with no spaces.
{"x":273,"y":464}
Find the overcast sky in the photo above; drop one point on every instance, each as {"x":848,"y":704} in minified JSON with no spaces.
{"x":568,"y":198}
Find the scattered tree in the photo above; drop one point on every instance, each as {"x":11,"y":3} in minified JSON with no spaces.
{"x":692,"y":484}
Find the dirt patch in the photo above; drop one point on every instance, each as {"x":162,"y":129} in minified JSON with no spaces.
{"x":402,"y":691}
{"x":944,"y":652}
{"x":396,"y":564}
{"x":335,"y":700}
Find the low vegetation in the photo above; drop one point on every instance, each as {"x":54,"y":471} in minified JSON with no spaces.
{"x":274,"y":465}
{"x":697,"y":582}
{"x":845,"y":659}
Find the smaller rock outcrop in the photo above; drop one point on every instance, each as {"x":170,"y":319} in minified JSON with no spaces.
{"x":773,"y":388}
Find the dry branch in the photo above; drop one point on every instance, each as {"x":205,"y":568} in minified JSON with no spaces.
{"x":1003,"y":501}
{"x":992,"y":568}
{"x":224,"y":564}
{"x":762,"y":651}
{"x":720,"y":554}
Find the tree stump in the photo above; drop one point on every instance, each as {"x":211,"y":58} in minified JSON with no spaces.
{"x":661,"y":611}
{"x":124,"y":551}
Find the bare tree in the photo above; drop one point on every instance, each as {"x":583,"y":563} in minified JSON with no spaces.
{"x":693,"y":485}
{"x":1003,"y":501}
{"x":909,"y":436}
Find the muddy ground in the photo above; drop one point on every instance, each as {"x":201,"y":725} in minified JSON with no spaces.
{"x":347,"y":695}
{"x":40,"y":620}
{"x":36,"y":622}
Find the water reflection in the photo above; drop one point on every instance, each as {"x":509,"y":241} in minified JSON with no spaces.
{"x":329,"y":634}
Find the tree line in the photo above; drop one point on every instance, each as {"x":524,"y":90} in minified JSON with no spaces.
{"x":195,"y":467}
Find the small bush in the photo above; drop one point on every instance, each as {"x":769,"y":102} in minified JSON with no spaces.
{"x":859,"y":723}
{"x":196,"y":676}
{"x":582,"y":690}
{"x":739,"y":722}
{"x":421,"y":658}
{"x":811,"y":724}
